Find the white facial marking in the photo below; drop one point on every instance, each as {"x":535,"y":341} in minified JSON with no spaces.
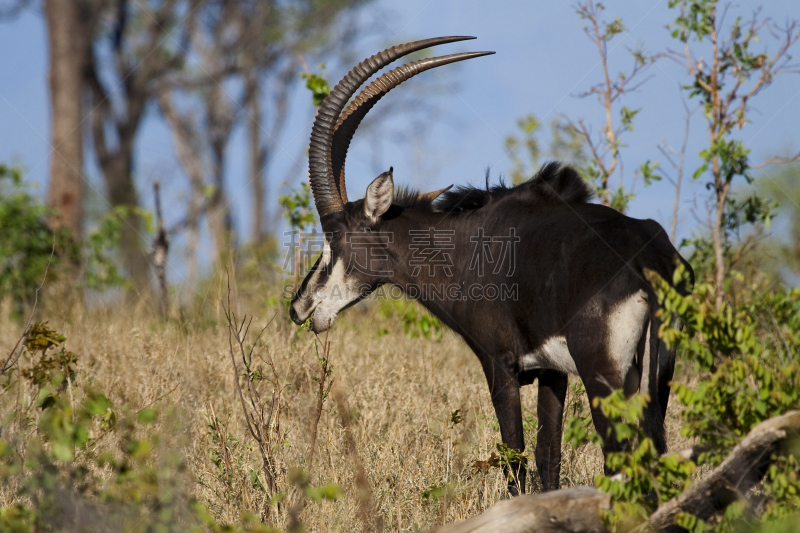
{"x":333,"y":296}
{"x":323,"y":264}
{"x":337,"y":281}
{"x":326,"y":254}
{"x":625,"y":326}
{"x":553,"y":354}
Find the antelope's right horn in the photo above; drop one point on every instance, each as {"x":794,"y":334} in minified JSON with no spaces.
{"x":327,"y":196}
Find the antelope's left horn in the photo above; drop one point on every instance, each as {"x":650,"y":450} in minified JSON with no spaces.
{"x":352,"y":116}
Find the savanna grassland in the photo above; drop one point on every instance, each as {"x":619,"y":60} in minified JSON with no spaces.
{"x":167,"y":391}
{"x":419,"y":420}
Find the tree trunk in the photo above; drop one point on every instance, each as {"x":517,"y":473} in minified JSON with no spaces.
{"x":65,"y":77}
{"x":189,"y":152}
{"x":257,"y":160}
{"x":117,"y":172}
{"x":718,"y":237}
{"x":743,"y":469}
{"x":220,"y":123}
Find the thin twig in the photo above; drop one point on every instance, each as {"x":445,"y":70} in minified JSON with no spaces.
{"x":259,"y":420}
{"x":777,"y":161}
{"x":160,"y":397}
{"x":679,"y":169}
{"x":231,"y":330}
{"x":222,"y":441}
{"x":321,"y":393}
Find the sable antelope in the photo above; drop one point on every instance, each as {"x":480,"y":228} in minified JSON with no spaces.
{"x":577,"y":299}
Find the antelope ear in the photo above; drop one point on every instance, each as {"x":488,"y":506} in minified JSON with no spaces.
{"x":380,"y":194}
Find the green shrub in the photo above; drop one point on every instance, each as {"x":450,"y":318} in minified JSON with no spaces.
{"x":415,"y":320}
{"x":27,"y":244}
{"x":59,"y":478}
{"x":29,"y":247}
{"x":747,"y":359}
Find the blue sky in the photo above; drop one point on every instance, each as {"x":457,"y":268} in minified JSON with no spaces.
{"x":543,"y":60}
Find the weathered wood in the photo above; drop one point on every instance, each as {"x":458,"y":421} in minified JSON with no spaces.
{"x":738,"y":473}
{"x":575,"y":510}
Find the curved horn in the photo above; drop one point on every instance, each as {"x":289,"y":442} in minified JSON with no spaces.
{"x":433,"y":195}
{"x":323,"y":185}
{"x":351,"y":118}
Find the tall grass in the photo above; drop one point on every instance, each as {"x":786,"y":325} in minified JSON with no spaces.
{"x":412,"y":414}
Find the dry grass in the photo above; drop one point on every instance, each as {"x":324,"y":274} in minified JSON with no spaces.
{"x":399,"y":394}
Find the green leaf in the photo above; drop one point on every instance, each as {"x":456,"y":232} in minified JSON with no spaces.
{"x":255,"y":481}
{"x":97,"y":405}
{"x":147,"y":416}
{"x":328,"y":491}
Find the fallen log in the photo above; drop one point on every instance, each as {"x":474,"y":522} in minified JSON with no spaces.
{"x":577,"y":510}
{"x":574,"y":510}
{"x":744,"y":467}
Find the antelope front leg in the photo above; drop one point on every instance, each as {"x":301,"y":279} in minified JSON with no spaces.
{"x":550,"y":413}
{"x":504,"y":389}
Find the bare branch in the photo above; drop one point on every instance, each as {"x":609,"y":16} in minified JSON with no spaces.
{"x":679,"y":168}
{"x":14,"y":10}
{"x":777,"y":161}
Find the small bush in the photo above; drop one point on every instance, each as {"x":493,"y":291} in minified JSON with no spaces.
{"x":27,"y":244}
{"x":59,"y":479}
{"x":747,"y":359}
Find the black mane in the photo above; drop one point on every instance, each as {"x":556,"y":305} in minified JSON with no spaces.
{"x":409,"y":197}
{"x":554,"y":184}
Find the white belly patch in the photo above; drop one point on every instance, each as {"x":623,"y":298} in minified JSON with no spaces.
{"x":552,"y":355}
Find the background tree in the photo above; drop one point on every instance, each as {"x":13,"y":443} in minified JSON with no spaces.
{"x":66,"y":46}
{"x":256,"y":45}
{"x":528,"y":144}
{"x":783,"y":184}
{"x":726,"y":82}
{"x":275,"y":40}
{"x":566,"y":145}
{"x":605,"y":149}
{"x":134,"y":45}
{"x":573,"y":141}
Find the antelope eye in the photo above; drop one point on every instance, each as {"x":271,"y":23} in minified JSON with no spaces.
{"x":337,"y":234}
